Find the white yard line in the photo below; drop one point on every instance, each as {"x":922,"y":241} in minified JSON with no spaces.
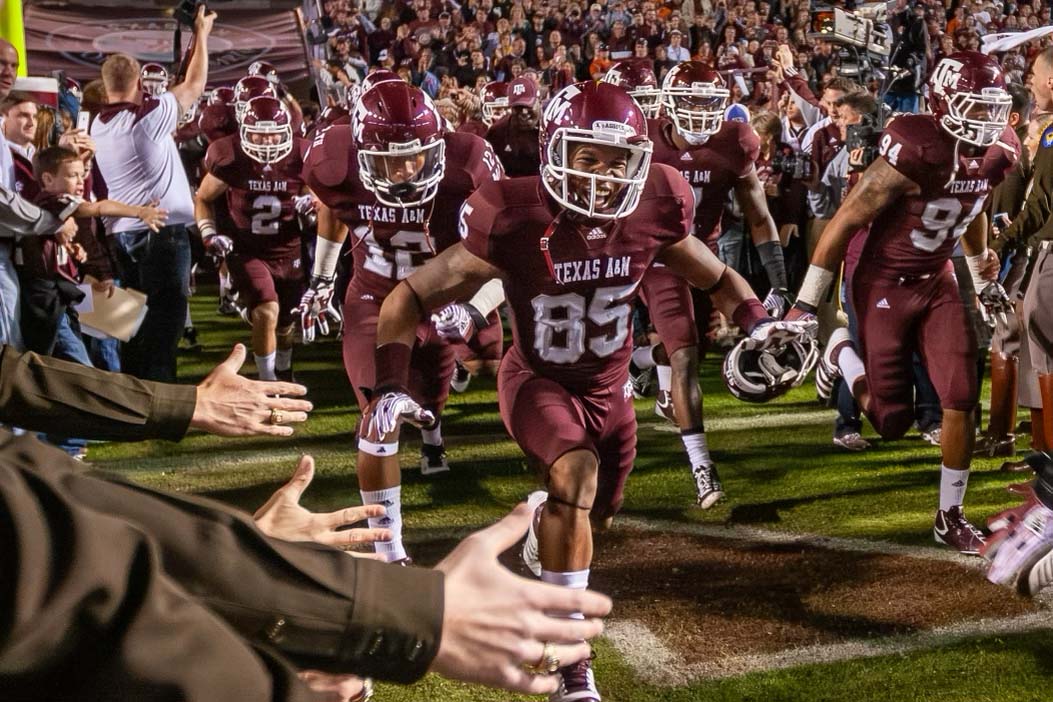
{"x":657,"y":664}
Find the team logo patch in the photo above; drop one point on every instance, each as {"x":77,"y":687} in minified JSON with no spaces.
{"x":1047,"y":138}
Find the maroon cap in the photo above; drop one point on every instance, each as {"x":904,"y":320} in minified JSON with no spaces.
{"x":522,"y":92}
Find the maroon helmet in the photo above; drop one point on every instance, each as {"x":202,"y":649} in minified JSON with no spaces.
{"x":967,"y":94}
{"x":153,"y":78}
{"x":377,"y":77}
{"x":638,"y":79}
{"x":494,"y":96}
{"x":266,"y":130}
{"x":221,"y":96}
{"x":216,"y":121}
{"x":401,"y":153}
{"x":248,"y":88}
{"x":598,"y":114}
{"x":695,"y":96}
{"x":334,"y":114}
{"x":264,"y":70}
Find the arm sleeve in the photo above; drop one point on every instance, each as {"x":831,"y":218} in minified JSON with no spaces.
{"x":801,"y":94}
{"x":47,"y":394}
{"x":19,"y":217}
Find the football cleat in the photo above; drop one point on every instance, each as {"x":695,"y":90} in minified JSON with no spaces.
{"x":708,"y":485}
{"x":433,"y":459}
{"x":933,"y":434}
{"x":663,"y":406}
{"x":951,"y":528}
{"x":576,"y":684}
{"x":531,"y":557}
{"x":189,"y":343}
{"x":827,"y":371}
{"x":228,"y":304}
{"x":852,"y":441}
{"x":1038,"y":577}
{"x":461,"y":378}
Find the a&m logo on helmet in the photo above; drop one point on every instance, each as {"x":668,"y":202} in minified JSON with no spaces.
{"x":518,"y":89}
{"x":946,"y":76}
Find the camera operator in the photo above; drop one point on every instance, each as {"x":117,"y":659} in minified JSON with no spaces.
{"x":910,"y":53}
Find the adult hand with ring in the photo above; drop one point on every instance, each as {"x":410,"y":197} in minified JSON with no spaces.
{"x":548,"y":664}
{"x":277,"y":417}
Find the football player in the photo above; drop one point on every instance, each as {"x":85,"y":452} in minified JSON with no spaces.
{"x":396,"y":180}
{"x":571,"y":247}
{"x":639,"y":80}
{"x":925,"y":191}
{"x":259,"y":171}
{"x":716,"y":157}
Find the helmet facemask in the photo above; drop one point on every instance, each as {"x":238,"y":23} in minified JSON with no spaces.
{"x":494,"y":110}
{"x":977,"y":118}
{"x":404,"y":175}
{"x":557,"y":172}
{"x":649,"y":100}
{"x":697,"y":111}
{"x":267,"y":152}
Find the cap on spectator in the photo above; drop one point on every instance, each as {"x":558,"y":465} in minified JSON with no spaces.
{"x":444,"y":15}
{"x":677,"y":32}
{"x":596,"y":6}
{"x":522,"y":92}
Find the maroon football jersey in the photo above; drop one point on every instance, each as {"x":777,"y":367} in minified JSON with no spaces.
{"x":574,"y":326}
{"x":711,"y":169}
{"x":260,"y":198}
{"x":392,"y":242}
{"x":518,"y":150}
{"x":917,"y":235}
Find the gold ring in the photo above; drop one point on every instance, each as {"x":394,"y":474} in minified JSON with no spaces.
{"x":548,"y":664}
{"x":277,"y":417}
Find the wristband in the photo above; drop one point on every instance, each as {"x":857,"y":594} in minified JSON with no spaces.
{"x":816,"y":282}
{"x":974,"y":263}
{"x":392,"y":362}
{"x":391,"y":449}
{"x":749,"y":314}
{"x":326,"y":255}
{"x":207,"y":228}
{"x":771,"y":257}
{"x":489,"y":297}
{"x":478,"y":318}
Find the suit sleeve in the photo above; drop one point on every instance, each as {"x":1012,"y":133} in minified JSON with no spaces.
{"x":1038,"y":206}
{"x":47,"y":394}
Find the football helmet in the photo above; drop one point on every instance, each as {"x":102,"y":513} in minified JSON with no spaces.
{"x":222,"y":96}
{"x":265,"y":70}
{"x":248,"y":88}
{"x":639,"y":80}
{"x":398,"y":133}
{"x":266,"y":130}
{"x":695,"y":96}
{"x":377,"y":77}
{"x":494,"y":96}
{"x":601,"y":114}
{"x":334,"y":114}
{"x":968,"y":96}
{"x":760,"y":375}
{"x":217,"y":121}
{"x":153,"y":78}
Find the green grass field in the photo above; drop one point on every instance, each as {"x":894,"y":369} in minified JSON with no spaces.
{"x":780,"y":471}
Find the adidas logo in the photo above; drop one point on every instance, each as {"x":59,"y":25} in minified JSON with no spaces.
{"x":958,"y":483}
{"x":367,"y":297}
{"x":508,"y":148}
{"x":381,"y":449}
{"x":882,"y":304}
{"x":685,"y":156}
{"x":596,"y":233}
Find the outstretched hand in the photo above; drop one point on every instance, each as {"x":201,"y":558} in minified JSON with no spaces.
{"x":495,"y":622}
{"x":283,"y":517}
{"x":231,"y":405}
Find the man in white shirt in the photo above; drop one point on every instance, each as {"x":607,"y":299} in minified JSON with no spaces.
{"x":676,"y":51}
{"x":140,"y":163}
{"x":20,"y":123}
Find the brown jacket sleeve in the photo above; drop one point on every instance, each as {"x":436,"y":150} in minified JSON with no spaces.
{"x":46,"y":394}
{"x":115,"y":582}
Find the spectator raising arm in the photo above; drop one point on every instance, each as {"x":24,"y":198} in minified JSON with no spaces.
{"x":187,"y":92}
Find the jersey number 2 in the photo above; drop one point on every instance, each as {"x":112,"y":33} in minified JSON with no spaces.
{"x":268,"y":209}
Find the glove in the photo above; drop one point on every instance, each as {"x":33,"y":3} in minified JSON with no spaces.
{"x":218,"y":245}
{"x":390,"y":410}
{"x":316,"y":308}
{"x":304,"y":205}
{"x":458,"y":322}
{"x":995,"y":305}
{"x":777,"y":302}
{"x":799,"y":313}
{"x":771,"y":334}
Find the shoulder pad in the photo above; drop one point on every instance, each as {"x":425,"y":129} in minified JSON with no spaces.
{"x":327,"y":158}
{"x":221,"y":153}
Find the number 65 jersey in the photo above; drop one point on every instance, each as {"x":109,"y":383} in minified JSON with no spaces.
{"x":571,"y":296}
{"x":392,"y":242}
{"x":260,"y":198}
{"x":917,"y":235}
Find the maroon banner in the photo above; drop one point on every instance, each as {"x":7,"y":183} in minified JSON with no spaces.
{"x":77,"y":41}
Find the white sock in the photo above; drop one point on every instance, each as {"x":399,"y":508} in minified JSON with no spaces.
{"x":697,"y":450}
{"x":189,"y":322}
{"x":224,"y":283}
{"x":850,"y":364}
{"x":265,"y":366}
{"x":432,"y":436}
{"x":574,"y":579}
{"x":643,"y":357}
{"x":952,"y":487}
{"x":391,"y":498}
{"x":665,"y":378}
{"x":283,"y":359}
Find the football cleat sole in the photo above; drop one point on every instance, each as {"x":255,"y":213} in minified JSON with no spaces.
{"x":531,"y":555}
